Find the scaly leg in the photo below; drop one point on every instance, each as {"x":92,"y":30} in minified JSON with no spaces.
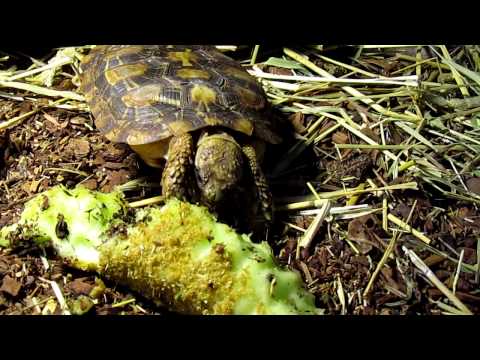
{"x":176,"y":177}
{"x":263,"y":192}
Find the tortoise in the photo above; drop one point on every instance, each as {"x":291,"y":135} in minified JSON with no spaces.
{"x":190,"y":105}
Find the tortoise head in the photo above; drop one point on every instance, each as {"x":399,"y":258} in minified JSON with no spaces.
{"x":218,"y":167}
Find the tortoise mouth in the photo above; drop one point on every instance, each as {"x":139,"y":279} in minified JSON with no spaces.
{"x":215,"y":195}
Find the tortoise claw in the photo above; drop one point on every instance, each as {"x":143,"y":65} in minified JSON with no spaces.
{"x":263,"y":192}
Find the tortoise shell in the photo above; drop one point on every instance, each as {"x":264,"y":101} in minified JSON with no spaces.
{"x":144,"y":94}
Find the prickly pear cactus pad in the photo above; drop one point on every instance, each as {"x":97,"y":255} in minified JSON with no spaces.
{"x":177,"y":255}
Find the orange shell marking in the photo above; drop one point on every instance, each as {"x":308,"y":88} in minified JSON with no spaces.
{"x":193,"y":74}
{"x":123,"y":72}
{"x":203,"y":95}
{"x":180,"y":127}
{"x":143,"y":96}
{"x":124,"y":51}
{"x":243,"y":125}
{"x":186,"y":57}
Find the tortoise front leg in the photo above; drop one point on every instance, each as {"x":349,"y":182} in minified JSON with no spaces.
{"x":176,"y":177}
{"x":263,"y":192}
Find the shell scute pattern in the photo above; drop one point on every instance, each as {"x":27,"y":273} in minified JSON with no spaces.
{"x":142,"y":94}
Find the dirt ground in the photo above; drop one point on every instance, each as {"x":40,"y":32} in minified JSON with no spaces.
{"x":51,"y":148}
{"x":56,"y":146}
